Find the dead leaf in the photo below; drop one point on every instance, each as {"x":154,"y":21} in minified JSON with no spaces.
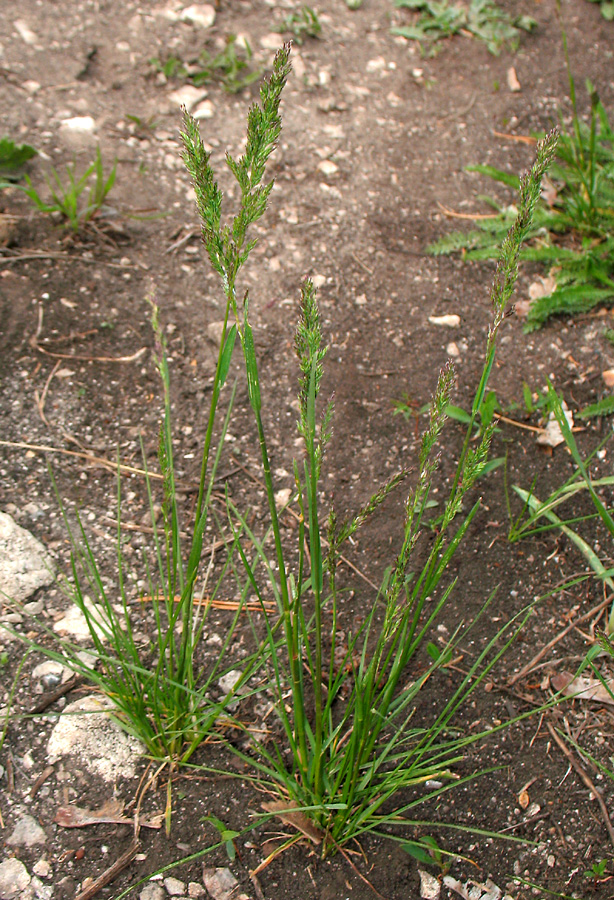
{"x":581,"y":688}
{"x":110,"y":813}
{"x":552,"y":436}
{"x":542,"y":287}
{"x":608,"y":377}
{"x":292,"y":815}
{"x":512,"y":80}
{"x":523,"y":799}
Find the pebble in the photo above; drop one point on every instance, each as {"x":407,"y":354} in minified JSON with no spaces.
{"x":14,"y":878}
{"x":196,"y":890}
{"x":25,"y":565}
{"x":328,"y":167}
{"x":74,"y":622}
{"x":450,"y":321}
{"x":188,"y":96}
{"x":42,"y":868}
{"x":49,"y":673}
{"x":430,"y":888}
{"x":228,"y":681}
{"x":201,"y":14}
{"x":271,"y":41}
{"x":204,"y":110}
{"x":24,"y":31}
{"x":152,"y":891}
{"x":452,"y":350}
{"x":85,"y":731}
{"x":221,"y":884}
{"x":78,"y":131}
{"x":174,"y":886}
{"x":214,"y":332}
{"x":27,"y":833}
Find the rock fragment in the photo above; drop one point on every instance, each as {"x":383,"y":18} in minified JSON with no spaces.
{"x":14,"y":878}
{"x":27,"y":833}
{"x":25,"y":565}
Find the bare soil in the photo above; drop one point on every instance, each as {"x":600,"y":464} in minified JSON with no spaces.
{"x":78,"y":374}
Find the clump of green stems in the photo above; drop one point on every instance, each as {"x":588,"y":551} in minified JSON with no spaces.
{"x":573,"y":227}
{"x":231,"y":67}
{"x":67,"y":198}
{"x":534,"y":511}
{"x":302,"y":24}
{"x":483,"y":19}
{"x":349,"y":732}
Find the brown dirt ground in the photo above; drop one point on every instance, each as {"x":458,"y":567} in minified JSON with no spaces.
{"x":400,"y":129}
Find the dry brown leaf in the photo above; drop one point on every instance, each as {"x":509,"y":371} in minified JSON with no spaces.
{"x":291,"y":815}
{"x":542,"y":287}
{"x":608,"y":377}
{"x":583,"y":688}
{"x":523,"y":799}
{"x":110,"y":813}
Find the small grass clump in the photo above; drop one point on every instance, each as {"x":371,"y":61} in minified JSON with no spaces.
{"x":572,"y":234}
{"x":482,"y":19}
{"x":301,"y":24}
{"x":79,"y":199}
{"x":232,"y":67}
{"x":349,"y":741}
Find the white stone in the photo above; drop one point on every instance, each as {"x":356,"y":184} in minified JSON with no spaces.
{"x":152,"y":891}
{"x":195,"y":890}
{"x":86,"y":732}
{"x":204,"y":110}
{"x":24,"y":31}
{"x":25,"y":564}
{"x":282,"y":496}
{"x":42,"y":868}
{"x":328,"y":167}
{"x":75,"y":623}
{"x":229,"y":681}
{"x":221,"y":884}
{"x":450,"y":321}
{"x":31,"y":86}
{"x":187,"y":96}
{"x":81,"y":124}
{"x":201,"y":14}
{"x":271,"y":41}
{"x":452,"y":350}
{"x":174,"y":887}
{"x":430,"y":888}
{"x":27,"y":833}
{"x":14,"y":878}
{"x":376,"y":65}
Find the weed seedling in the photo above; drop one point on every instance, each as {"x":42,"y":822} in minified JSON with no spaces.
{"x":79,"y":199}
{"x":13,"y":158}
{"x":302,"y":24}
{"x":573,"y":228}
{"x":607,"y":9}
{"x":483,"y":19}
{"x":231,"y":68}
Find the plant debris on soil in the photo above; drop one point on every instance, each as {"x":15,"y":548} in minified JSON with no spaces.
{"x":374,"y":145}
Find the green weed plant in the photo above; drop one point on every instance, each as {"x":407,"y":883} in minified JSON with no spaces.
{"x":301,"y":24}
{"x":13,"y":158}
{"x":79,"y":199}
{"x":483,"y":19}
{"x":572,"y":235}
{"x":538,"y":516}
{"x":232,"y":67}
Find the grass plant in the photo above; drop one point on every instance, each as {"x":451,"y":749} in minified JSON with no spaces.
{"x":534,"y":511}
{"x":301,"y":24}
{"x":572,"y":234}
{"x":349,"y":744}
{"x":77,"y":200}
{"x":232,"y":67}
{"x":482,"y":19}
